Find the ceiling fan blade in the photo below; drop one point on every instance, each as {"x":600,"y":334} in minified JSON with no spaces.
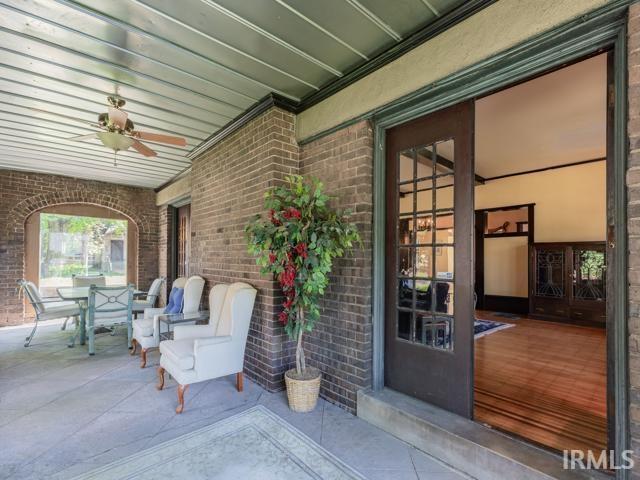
{"x":156,"y":137}
{"x":143,"y":149}
{"x":117,"y":117}
{"x":83,"y":137}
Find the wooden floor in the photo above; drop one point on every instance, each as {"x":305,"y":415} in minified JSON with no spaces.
{"x":543,"y":381}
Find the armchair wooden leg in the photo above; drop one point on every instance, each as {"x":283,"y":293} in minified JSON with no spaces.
{"x":134,"y":346}
{"x":182,"y":389}
{"x":160,"y":385}
{"x":239,"y":381}
{"x":143,"y":357}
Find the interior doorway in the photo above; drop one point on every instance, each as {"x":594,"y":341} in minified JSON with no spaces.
{"x":521,"y":337}
{"x":541,"y":223}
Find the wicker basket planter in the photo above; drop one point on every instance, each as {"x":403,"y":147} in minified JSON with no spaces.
{"x":303,"y":392}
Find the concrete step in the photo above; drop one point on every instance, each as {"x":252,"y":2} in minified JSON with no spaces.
{"x":470,"y":447}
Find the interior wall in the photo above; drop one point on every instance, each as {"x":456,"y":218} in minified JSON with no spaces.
{"x":570,"y":203}
{"x":506,"y":266}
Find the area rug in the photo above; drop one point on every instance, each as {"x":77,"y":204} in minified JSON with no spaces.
{"x":254,"y":444}
{"x":487,"y":327}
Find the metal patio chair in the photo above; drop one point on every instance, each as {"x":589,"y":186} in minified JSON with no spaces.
{"x":109,"y":307}
{"x":49,"y":308}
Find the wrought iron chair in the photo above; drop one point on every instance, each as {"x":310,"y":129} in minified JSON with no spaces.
{"x":50,"y":308}
{"x":109,"y":307}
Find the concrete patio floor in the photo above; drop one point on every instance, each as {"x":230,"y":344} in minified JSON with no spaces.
{"x":63,"y":413}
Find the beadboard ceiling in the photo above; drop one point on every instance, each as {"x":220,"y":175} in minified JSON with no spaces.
{"x":185,"y":67}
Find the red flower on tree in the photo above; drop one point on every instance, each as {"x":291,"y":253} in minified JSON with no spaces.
{"x":272,"y":258}
{"x":284,"y":317}
{"x":287,"y":303}
{"x":287,"y":278}
{"x":292,"y":212}
{"x":272,"y":217}
{"x":301,"y":250}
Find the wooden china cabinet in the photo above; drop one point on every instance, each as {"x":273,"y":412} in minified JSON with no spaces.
{"x":568,"y":282}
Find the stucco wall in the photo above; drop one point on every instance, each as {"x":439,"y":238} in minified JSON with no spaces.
{"x":494,"y":29}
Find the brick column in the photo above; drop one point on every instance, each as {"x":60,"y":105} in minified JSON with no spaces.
{"x":228,"y":184}
{"x":633,"y":195}
{"x":341,"y":344}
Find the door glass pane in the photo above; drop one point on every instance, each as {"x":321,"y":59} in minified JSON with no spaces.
{"x":405,"y":292}
{"x":424,"y":195}
{"x":434,"y":331}
{"x":589,"y":274}
{"x":550,"y":273}
{"x":444,"y":297}
{"x":424,"y":162}
{"x":406,"y":166}
{"x":426,"y":222}
{"x":444,"y":262}
{"x":404,"y":324}
{"x":444,"y":192}
{"x":405,"y":230}
{"x":424,"y":262}
{"x":406,"y":261}
{"x":424,"y":228}
{"x":444,"y":227}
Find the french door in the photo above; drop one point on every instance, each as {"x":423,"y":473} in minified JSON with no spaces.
{"x":183,"y":241}
{"x":429,"y":259}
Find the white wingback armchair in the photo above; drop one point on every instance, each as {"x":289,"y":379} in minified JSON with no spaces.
{"x":202,"y":352}
{"x":146,"y":330}
{"x":140,"y":305}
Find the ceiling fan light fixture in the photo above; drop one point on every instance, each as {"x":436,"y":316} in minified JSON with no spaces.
{"x":115,"y":141}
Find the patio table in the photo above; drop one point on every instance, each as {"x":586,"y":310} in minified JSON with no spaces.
{"x":80,"y":295}
{"x":171,"y":319}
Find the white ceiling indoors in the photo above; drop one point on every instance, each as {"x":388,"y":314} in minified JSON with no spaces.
{"x":556,"y":119}
{"x":185,"y":67}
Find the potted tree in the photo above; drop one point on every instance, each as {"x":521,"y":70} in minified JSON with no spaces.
{"x":297,"y":243}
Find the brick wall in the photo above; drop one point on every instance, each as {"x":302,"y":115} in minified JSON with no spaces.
{"x":633,"y":195}
{"x":22,"y":194}
{"x":341,"y":344}
{"x":228,"y":183}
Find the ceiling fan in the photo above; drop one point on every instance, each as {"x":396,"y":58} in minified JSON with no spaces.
{"x":119,"y":132}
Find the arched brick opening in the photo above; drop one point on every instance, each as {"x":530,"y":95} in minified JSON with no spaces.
{"x":137,"y":205}
{"x":32,"y":230}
